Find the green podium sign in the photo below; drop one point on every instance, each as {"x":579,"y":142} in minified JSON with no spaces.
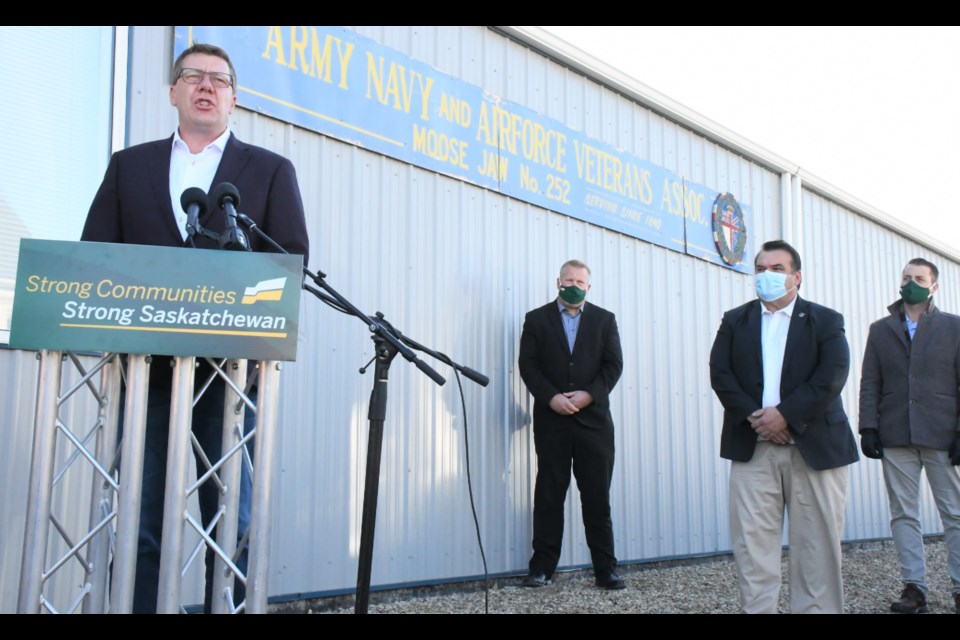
{"x":92,"y":296}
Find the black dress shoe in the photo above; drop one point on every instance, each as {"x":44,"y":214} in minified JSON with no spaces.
{"x":611,"y":581}
{"x":912,"y":600}
{"x":536,"y":580}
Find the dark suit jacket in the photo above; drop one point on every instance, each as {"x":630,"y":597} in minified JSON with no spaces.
{"x":133,"y":204}
{"x":816,"y":362}
{"x":548,"y":368}
{"x":911,"y":392}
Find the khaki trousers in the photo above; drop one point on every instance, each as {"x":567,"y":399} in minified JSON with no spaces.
{"x":774,"y":480}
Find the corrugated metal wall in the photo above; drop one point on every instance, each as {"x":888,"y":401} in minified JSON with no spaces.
{"x":456,"y":267}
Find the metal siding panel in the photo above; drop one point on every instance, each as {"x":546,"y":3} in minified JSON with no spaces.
{"x":19,"y":375}
{"x":149,"y":114}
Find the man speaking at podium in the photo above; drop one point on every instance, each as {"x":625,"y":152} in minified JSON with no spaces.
{"x":139,"y":203}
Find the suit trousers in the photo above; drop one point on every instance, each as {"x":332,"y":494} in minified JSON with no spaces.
{"x":775,"y":478}
{"x":901,"y":471}
{"x":559,"y":443}
{"x":207,"y":426}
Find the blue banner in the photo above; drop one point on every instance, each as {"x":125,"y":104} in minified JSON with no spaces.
{"x":336,"y":82}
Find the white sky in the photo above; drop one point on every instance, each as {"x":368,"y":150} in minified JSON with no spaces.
{"x":871,"y":110}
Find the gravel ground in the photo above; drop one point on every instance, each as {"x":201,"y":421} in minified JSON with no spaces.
{"x":693,"y":586}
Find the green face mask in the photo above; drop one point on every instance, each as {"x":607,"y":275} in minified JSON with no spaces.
{"x":912,"y":293}
{"x":572,"y":295}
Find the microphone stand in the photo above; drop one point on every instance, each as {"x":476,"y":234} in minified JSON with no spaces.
{"x":476,"y":376}
{"x":193,"y":230}
{"x":388,"y":344}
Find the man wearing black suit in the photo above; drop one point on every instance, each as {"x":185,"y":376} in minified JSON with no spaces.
{"x":778,"y":365}
{"x":139,"y":203}
{"x":570,"y":360}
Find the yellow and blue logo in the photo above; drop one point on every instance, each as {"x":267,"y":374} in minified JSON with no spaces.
{"x":271,"y":290}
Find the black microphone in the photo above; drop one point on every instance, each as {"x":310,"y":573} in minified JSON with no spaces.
{"x":226,"y":196}
{"x":476,"y":376}
{"x":194,"y":202}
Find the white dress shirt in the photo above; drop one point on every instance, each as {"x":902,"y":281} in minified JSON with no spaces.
{"x":192,"y":170}
{"x":774,"y":326}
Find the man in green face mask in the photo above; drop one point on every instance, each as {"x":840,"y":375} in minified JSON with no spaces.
{"x":570,"y":360}
{"x":910,"y":418}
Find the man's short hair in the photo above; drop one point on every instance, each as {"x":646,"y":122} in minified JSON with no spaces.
{"x":207,"y":49}
{"x":780,"y":245}
{"x":920,"y":262}
{"x":576,"y":264}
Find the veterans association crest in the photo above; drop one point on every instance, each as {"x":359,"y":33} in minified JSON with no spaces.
{"x":729,"y":228}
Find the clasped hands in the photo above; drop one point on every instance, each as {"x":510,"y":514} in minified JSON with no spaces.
{"x":569,"y":403}
{"x":770,"y":424}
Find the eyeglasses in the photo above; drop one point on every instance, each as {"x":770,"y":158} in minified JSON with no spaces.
{"x":195,"y":76}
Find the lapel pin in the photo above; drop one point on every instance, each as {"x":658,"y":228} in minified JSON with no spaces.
{"x":802,"y":314}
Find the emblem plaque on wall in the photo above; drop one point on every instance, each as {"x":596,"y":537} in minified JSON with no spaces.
{"x":729,"y":228}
